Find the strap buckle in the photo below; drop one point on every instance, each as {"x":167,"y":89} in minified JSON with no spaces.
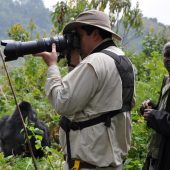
{"x":76,"y":165}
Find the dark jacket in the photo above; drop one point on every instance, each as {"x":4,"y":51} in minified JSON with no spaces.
{"x":160,"y":122}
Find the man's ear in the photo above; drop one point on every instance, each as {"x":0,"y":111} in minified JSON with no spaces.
{"x":96,"y":34}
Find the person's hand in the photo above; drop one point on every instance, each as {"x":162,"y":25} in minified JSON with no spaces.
{"x":147,"y":113}
{"x":50,"y":58}
{"x":145,"y":105}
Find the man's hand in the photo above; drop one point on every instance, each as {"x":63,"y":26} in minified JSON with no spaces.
{"x":145,"y":105}
{"x":50,"y":58}
{"x":147,"y":113}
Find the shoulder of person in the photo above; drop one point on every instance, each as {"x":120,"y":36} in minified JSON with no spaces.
{"x":98,"y":59}
{"x":115,"y":50}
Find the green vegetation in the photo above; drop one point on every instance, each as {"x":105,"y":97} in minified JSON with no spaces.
{"x":28,"y":82}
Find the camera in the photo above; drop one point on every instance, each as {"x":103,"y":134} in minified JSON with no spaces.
{"x":15,"y":49}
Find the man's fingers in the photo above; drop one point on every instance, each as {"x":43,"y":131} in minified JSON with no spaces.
{"x":53,"y":48}
{"x":41,"y":54}
{"x":145,"y":104}
{"x":45,"y":53}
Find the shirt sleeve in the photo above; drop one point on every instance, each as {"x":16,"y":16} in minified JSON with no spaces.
{"x":160,"y":122}
{"x":71,"y":93}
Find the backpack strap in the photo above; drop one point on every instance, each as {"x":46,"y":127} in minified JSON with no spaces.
{"x":68,"y":125}
{"x":125,"y":69}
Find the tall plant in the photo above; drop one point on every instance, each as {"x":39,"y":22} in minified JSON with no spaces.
{"x":120,"y":12}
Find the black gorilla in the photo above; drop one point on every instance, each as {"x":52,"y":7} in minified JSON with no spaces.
{"x":12,"y":138}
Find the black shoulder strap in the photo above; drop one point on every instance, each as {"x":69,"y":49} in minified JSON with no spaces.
{"x":125,"y":69}
{"x":119,"y":59}
{"x":113,"y":55}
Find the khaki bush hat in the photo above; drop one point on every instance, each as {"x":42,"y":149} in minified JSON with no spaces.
{"x":94,"y":18}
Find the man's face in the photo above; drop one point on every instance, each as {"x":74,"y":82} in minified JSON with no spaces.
{"x":167,"y":59}
{"x":86,"y":42}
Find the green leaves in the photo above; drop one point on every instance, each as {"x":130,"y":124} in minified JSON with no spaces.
{"x":154,"y":41}
{"x":18,"y":33}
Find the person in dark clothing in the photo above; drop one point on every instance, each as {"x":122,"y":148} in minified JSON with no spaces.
{"x":158,"y":118}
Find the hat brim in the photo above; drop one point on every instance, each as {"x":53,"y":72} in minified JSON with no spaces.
{"x":73,"y":25}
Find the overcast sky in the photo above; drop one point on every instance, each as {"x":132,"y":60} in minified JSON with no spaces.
{"x":150,"y":8}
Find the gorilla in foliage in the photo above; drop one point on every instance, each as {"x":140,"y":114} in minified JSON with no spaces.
{"x":12,"y":136}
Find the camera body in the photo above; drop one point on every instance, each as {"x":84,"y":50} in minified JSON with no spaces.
{"x":15,"y":49}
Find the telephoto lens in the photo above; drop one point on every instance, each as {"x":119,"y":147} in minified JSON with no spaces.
{"x":15,"y":49}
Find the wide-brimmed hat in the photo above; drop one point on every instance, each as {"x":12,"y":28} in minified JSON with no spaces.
{"x":92,"y":17}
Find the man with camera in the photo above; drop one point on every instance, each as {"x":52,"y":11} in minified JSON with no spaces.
{"x":158,"y":118}
{"x":95,"y":98}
